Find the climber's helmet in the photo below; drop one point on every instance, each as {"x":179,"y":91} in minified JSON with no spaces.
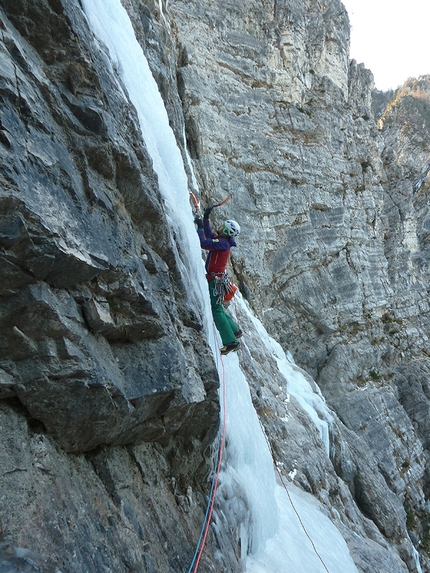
{"x":229,"y":229}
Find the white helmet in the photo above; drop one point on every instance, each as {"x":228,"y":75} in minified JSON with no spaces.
{"x":230,"y":228}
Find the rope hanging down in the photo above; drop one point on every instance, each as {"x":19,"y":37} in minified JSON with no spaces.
{"x":209,"y":511}
{"x":208,"y":517}
{"x":245,"y":371}
{"x":211,"y":502}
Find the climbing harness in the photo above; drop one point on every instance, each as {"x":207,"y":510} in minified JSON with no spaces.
{"x":223,"y":289}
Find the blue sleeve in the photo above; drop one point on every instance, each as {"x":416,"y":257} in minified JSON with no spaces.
{"x":218,"y":244}
{"x":209,"y":234}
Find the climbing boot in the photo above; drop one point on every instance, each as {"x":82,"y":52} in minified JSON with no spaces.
{"x":231,"y":347}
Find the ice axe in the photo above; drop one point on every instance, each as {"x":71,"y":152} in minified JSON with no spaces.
{"x":209,"y":209}
{"x":229,"y":196}
{"x":197,"y":204}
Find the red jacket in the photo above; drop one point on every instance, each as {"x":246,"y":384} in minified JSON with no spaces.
{"x":219,"y":250}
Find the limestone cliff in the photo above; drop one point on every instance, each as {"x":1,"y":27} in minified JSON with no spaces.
{"x":108,"y":390}
{"x":101,"y":351}
{"x":334,"y":256}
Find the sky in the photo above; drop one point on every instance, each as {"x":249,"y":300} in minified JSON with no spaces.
{"x":391,"y":38}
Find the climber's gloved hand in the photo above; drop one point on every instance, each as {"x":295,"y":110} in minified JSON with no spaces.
{"x":198,"y":221}
{"x":207,"y":212}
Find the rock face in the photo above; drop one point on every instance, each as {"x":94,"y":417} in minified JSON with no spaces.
{"x":108,"y":390}
{"x":334,"y":254}
{"x":100,"y":346}
{"x":95,"y":327}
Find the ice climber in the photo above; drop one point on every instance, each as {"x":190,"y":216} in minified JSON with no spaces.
{"x":219,"y":244}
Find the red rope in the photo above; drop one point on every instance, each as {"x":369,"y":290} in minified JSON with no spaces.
{"x":218,"y":469}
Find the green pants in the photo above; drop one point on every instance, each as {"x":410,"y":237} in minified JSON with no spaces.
{"x":226,"y":326}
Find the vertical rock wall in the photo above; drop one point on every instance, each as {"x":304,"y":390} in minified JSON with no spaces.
{"x":108,"y":398}
{"x":333,"y":251}
{"x":108,"y":391}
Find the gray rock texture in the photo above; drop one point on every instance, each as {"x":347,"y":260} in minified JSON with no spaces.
{"x":334,"y":259}
{"x":99,"y":346}
{"x":108,"y":389}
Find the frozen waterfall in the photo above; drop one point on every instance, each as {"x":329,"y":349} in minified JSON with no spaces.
{"x":272,"y":537}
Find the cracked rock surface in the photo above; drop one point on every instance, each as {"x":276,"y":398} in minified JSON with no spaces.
{"x":108,"y":390}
